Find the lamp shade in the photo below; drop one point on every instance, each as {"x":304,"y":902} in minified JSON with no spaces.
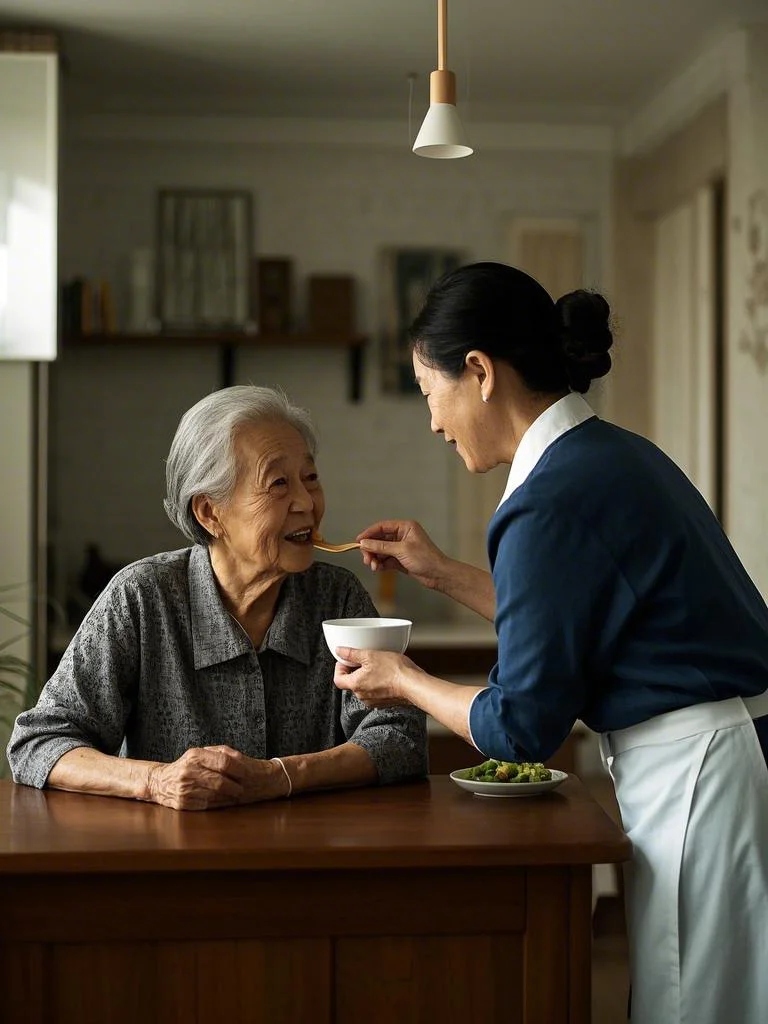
{"x":442,"y":134}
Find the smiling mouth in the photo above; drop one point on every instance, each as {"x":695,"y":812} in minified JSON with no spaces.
{"x":300,"y":536}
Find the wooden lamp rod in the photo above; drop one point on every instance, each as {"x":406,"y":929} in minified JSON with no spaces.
{"x":442,"y":34}
{"x":442,"y":83}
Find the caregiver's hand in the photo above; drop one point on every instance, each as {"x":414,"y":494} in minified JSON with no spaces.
{"x":404,"y":545}
{"x":380,"y":678}
{"x":208,"y":777}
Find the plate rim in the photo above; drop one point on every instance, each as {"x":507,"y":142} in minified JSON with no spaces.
{"x":511,"y":789}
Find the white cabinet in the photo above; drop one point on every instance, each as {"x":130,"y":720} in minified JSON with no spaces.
{"x":28,"y":185}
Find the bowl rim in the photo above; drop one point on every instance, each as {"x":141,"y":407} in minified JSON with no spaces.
{"x":367,"y":622}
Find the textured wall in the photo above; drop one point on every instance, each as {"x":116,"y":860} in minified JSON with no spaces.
{"x":747,"y":381}
{"x":330,"y":210}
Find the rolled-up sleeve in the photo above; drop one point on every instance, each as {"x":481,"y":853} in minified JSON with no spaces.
{"x":394,"y":738}
{"x":86,"y":702}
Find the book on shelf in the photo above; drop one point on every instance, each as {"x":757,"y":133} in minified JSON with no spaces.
{"x":87,"y":307}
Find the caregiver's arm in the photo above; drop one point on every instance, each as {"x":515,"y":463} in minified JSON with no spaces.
{"x":446,"y":702}
{"x":405,"y":546}
{"x":384,"y":679}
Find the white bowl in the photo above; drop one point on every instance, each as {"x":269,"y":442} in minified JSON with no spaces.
{"x":367,"y":635}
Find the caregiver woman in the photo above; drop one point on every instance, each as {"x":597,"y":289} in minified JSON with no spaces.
{"x":617,"y":599}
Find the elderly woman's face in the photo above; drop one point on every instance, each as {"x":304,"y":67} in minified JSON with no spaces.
{"x":277,"y":500}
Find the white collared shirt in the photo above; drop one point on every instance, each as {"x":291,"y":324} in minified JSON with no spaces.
{"x":555,"y":421}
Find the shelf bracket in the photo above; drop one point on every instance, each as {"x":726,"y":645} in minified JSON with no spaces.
{"x":356,"y":373}
{"x":226,"y":366}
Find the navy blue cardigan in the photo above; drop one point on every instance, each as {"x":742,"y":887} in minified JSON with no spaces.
{"x":618,"y":597}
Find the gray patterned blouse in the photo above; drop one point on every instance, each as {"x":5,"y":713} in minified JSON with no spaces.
{"x":159,"y":666}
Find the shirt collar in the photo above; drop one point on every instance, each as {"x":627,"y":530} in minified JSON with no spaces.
{"x":289,"y":631}
{"x":558,"y":419}
{"x":216,"y":637}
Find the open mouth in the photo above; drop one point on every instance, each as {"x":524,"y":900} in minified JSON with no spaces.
{"x":303,"y":536}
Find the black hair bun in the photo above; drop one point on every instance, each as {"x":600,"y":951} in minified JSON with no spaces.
{"x":585,"y":337}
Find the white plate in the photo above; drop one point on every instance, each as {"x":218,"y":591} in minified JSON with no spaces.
{"x":508,"y":788}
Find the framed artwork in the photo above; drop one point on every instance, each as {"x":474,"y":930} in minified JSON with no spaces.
{"x":204,"y":242}
{"x":407,"y":274}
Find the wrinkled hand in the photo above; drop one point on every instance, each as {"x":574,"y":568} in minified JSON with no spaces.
{"x":403,"y":545}
{"x":207,"y":777}
{"x":378,"y":678}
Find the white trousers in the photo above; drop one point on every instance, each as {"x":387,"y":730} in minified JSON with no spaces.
{"x":692,"y":786}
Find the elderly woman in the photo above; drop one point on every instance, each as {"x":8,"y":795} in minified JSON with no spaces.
{"x":206,"y":667}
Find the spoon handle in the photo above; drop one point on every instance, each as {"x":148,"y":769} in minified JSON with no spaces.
{"x":323,"y":545}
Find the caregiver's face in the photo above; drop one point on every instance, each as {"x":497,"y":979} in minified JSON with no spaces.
{"x":457,"y":412}
{"x":277,"y":501}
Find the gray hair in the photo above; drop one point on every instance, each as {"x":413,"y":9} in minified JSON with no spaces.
{"x":202,"y":456}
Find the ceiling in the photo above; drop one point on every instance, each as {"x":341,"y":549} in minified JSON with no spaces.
{"x":565,"y":60}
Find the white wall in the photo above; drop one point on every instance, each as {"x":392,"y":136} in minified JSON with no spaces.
{"x":736,"y":67}
{"x":747,"y":383}
{"x":16,"y":506}
{"x":330,"y":208}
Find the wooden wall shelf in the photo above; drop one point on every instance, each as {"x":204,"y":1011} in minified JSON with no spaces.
{"x":299,"y":339}
{"x":228,"y":342}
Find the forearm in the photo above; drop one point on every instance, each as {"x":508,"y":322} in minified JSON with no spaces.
{"x":469,"y":586}
{"x":85,"y":770}
{"x":446,"y":702}
{"x":345,"y":765}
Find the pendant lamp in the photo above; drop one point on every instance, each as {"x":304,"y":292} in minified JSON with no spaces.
{"x":442,"y":134}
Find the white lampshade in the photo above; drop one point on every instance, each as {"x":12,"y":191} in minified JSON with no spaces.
{"x":442,"y":134}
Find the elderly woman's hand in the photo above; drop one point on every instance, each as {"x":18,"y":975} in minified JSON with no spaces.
{"x":379,"y":678}
{"x":208,"y":777}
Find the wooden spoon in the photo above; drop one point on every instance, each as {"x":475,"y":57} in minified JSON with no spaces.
{"x":322,"y":545}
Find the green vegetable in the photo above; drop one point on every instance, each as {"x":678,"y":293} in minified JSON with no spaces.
{"x":509,"y":771}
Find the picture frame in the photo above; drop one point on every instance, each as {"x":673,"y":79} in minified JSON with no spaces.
{"x":407,"y":274}
{"x":204,"y":247}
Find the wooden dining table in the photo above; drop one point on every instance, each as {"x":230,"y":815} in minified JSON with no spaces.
{"x":410,"y":904}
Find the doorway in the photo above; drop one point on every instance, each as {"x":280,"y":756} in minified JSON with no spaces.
{"x":687,"y":339}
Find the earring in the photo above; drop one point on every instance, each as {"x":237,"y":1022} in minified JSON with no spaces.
{"x":485,"y":398}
